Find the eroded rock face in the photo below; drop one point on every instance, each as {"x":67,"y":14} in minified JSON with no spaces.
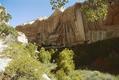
{"x":61,"y":28}
{"x":113,"y":14}
{"x":70,"y":27}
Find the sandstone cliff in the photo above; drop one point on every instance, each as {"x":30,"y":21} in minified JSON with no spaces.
{"x":113,"y":15}
{"x":56,"y":29}
{"x":70,"y":27}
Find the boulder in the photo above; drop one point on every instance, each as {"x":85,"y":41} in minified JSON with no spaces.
{"x":22,"y":38}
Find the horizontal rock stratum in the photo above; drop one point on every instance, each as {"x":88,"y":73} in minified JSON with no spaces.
{"x":69,"y":27}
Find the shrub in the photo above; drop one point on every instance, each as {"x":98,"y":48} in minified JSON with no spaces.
{"x":75,"y":75}
{"x":23,"y":64}
{"x":32,"y":48}
{"x":44,"y":56}
{"x":95,"y":75}
{"x":61,"y":75}
{"x":23,"y":78}
{"x":5,"y":29}
{"x":16,"y":50}
{"x":66,"y":66}
{"x":65,"y":61}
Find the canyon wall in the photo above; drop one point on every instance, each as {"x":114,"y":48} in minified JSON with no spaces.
{"x":70,"y":27}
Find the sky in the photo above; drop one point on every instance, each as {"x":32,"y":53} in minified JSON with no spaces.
{"x":27,"y":10}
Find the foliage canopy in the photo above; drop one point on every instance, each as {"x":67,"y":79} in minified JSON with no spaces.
{"x":56,"y":4}
{"x":65,"y":61}
{"x":93,"y":10}
{"x":4,"y":15}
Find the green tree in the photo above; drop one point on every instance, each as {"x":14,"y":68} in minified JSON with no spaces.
{"x":44,"y":56}
{"x":23,"y":64}
{"x":61,"y":75}
{"x":32,"y":48}
{"x":93,"y":10}
{"x":65,"y":61}
{"x":56,"y":4}
{"x":66,"y":66}
{"x":5,"y":29}
{"x":4,"y":15}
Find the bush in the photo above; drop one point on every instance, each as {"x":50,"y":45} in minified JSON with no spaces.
{"x":61,"y":75}
{"x":6,"y":30}
{"x":32,"y":48}
{"x":23,"y":78}
{"x":23,"y":64}
{"x":65,"y":61}
{"x":66,"y":66}
{"x":44,"y":56}
{"x":16,"y":50}
{"x":95,"y":75}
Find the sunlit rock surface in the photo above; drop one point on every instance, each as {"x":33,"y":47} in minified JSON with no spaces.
{"x":45,"y":77}
{"x":68,"y":27}
{"x":4,"y":61}
{"x":2,"y":46}
{"x":22,"y":38}
{"x":63,"y":27}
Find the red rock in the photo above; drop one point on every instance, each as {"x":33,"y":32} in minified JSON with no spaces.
{"x":69,"y":28}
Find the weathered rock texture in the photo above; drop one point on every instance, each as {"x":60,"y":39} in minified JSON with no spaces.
{"x":113,"y":15}
{"x":70,"y":27}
